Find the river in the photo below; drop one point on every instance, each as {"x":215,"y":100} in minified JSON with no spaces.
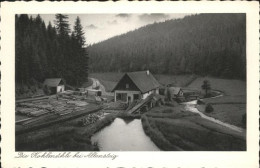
{"x":128,"y":135}
{"x":124,"y":135}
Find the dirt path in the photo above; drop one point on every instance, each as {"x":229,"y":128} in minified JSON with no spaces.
{"x":191,"y":106}
{"x":96,"y":83}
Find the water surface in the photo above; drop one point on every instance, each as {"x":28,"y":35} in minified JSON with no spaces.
{"x":124,"y":135}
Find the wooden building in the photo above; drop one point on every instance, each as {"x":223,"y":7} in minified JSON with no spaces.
{"x":175,"y":92}
{"x":56,"y":85}
{"x":135,"y":85}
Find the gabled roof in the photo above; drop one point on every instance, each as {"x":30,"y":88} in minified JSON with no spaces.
{"x":52,"y":82}
{"x":174,"y":90}
{"x":144,"y":80}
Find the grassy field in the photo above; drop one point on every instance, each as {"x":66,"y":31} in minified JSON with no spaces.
{"x":229,"y":113}
{"x":176,"y":80}
{"x":232,"y":105}
{"x":173,"y":129}
{"x":228,"y":86}
{"x":109,"y":79}
{"x":107,"y":76}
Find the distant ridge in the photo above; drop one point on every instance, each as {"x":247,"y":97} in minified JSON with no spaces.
{"x":203,"y":44}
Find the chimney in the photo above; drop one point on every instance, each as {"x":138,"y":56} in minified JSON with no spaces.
{"x":147,"y":72}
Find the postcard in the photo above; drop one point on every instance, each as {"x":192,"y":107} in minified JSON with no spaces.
{"x":130,"y":84}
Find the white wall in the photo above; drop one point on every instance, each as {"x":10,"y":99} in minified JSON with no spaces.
{"x":60,"y":88}
{"x":129,"y":94}
{"x":156,"y":91}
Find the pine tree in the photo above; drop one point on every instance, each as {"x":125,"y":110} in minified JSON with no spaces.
{"x":79,"y":33}
{"x":62,"y":25}
{"x":63,"y":56}
{"x":206,"y":86}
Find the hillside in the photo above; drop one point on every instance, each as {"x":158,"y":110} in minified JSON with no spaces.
{"x":204,"y":44}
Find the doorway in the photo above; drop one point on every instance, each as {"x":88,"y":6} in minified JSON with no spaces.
{"x":129,"y":99}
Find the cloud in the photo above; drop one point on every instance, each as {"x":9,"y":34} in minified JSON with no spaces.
{"x":91,"y":26}
{"x":112,"y":22}
{"x":153,"y":17}
{"x":123,"y":15}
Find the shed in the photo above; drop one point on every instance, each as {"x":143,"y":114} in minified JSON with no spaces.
{"x":175,"y":92}
{"x":56,"y":85}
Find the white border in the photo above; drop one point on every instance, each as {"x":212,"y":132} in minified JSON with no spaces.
{"x":133,"y":159}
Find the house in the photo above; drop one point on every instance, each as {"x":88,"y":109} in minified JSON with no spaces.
{"x":135,"y":85}
{"x":175,"y":92}
{"x":56,"y":85}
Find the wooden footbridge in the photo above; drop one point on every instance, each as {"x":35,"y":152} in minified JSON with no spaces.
{"x":144,"y":105}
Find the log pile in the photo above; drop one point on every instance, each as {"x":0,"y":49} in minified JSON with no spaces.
{"x":91,"y":118}
{"x":25,"y":111}
{"x":65,"y":112}
{"x":40,"y":109}
{"x":78,"y":103}
{"x":117,"y":106}
{"x":38,"y":113}
{"x":37,"y":105}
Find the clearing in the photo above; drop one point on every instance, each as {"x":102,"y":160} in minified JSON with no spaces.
{"x":231,"y":106}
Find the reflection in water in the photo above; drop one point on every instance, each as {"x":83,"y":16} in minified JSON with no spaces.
{"x":124,"y":136}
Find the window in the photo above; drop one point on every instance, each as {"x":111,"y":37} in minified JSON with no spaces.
{"x":121,"y":96}
{"x":118,"y":96}
{"x":136,"y":96}
{"x":127,"y":86}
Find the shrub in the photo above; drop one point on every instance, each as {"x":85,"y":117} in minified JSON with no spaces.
{"x":209,"y":108}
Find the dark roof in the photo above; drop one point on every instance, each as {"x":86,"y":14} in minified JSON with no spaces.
{"x":174,"y":90}
{"x":144,"y":80}
{"x":52,"y":82}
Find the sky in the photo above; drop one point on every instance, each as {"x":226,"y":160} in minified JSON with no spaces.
{"x":99,"y":27}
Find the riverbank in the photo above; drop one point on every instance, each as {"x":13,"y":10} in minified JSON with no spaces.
{"x":176,"y":129}
{"x":67,"y":136}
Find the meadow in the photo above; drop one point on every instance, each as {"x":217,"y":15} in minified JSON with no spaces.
{"x":172,"y":129}
{"x":231,"y":106}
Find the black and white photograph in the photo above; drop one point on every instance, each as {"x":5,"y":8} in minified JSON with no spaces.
{"x":130,"y":85}
{"x":130,"y":82}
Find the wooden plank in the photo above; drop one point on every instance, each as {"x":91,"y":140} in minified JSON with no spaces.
{"x":22,"y":120}
{"x":139,"y":105}
{"x":31,"y":99}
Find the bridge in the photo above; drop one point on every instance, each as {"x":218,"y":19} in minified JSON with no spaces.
{"x":148,"y":103}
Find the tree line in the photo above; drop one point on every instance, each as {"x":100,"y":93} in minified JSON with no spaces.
{"x":52,"y":51}
{"x":203,"y":44}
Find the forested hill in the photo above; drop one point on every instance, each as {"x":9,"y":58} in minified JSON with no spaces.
{"x":52,"y":51}
{"x":204,"y":44}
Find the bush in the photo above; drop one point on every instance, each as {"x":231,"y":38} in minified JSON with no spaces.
{"x":209,"y":108}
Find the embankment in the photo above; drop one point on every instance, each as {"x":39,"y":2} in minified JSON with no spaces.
{"x":173,"y":129}
{"x":156,"y":136}
{"x":62,"y":137}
